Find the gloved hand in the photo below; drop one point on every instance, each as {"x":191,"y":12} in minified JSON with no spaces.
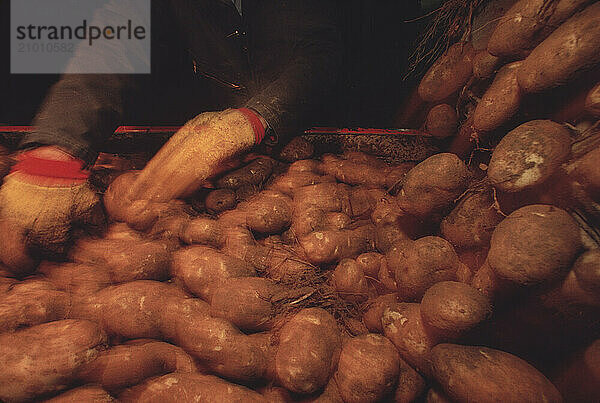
{"x":44,"y":199}
{"x":196,"y":152}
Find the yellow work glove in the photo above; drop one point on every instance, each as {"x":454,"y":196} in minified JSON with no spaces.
{"x":43,"y":202}
{"x":196,"y":152}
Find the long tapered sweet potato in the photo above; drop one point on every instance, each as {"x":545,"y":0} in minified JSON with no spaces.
{"x":527,"y":23}
{"x":32,"y":302}
{"x":572,"y":48}
{"x":448,"y":74}
{"x":44,"y":358}
{"x":483,"y":374}
{"x":129,"y":364}
{"x":181,"y":387}
{"x":500,"y":102}
{"x":202,"y":269}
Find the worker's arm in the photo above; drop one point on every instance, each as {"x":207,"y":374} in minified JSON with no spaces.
{"x":307,"y":80}
{"x":82,"y":110}
{"x":47,"y":195}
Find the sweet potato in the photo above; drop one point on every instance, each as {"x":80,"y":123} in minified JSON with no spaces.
{"x":577,"y":378}
{"x":432,"y":186}
{"x":368,"y":369}
{"x":350,"y":282}
{"x":122,"y":231}
{"x":448,"y":74}
{"x":75,"y":278}
{"x":592,"y":101}
{"x":436,"y":396}
{"x":466,"y":139}
{"x":500,"y":102}
{"x":535,"y":243}
{"x":44,"y":358}
{"x":488,"y":375}
{"x":221,"y":347}
{"x":275,"y":394}
{"x":471,"y":223}
{"x":387,"y":279}
{"x":572,"y":48}
{"x":32,"y":302}
{"x":357,"y":170}
{"x":326,"y":196}
{"x":374,"y":309}
{"x":220,"y":200}
{"x":402,"y":324}
{"x":529,"y":155}
{"x":245,"y":302}
{"x":489,"y":284}
{"x":181,"y":387}
{"x":292,"y":180}
{"x":129,"y":364}
{"x":126,"y":260}
{"x":450,"y":309}
{"x":297,"y":149}
{"x":255,"y":173}
{"x":419,"y":264}
{"x":585,"y":171}
{"x":587,"y":271}
{"x":387,"y":234}
{"x":485,"y":64}
{"x":269,"y":212}
{"x":203,"y":269}
{"x":370,"y":262}
{"x":570,"y":297}
{"x":203,"y":230}
{"x":91,"y":394}
{"x":441,"y":121}
{"x":14,"y":252}
{"x":131,"y":310}
{"x":116,"y":198}
{"x":411,"y":385}
{"x":306,"y":370}
{"x":322,"y":247}
{"x":527,"y":23}
{"x":305,"y":166}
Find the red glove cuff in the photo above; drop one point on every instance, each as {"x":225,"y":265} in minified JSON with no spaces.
{"x":257,"y":125}
{"x":35,"y":166}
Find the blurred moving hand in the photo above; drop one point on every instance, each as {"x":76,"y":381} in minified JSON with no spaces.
{"x":198,"y":151}
{"x":43,"y":201}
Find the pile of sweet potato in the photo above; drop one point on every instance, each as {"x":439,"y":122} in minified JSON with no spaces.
{"x":343,"y":278}
{"x":340,"y":278}
{"x":532,"y":59}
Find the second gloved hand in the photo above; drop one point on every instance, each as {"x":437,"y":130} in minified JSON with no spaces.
{"x":42,"y":202}
{"x":196,"y":152}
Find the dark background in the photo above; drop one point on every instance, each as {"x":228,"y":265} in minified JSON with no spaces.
{"x":377,"y":44}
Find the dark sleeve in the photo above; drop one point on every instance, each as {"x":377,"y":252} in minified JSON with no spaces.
{"x":82,"y":110}
{"x":306,"y":81}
